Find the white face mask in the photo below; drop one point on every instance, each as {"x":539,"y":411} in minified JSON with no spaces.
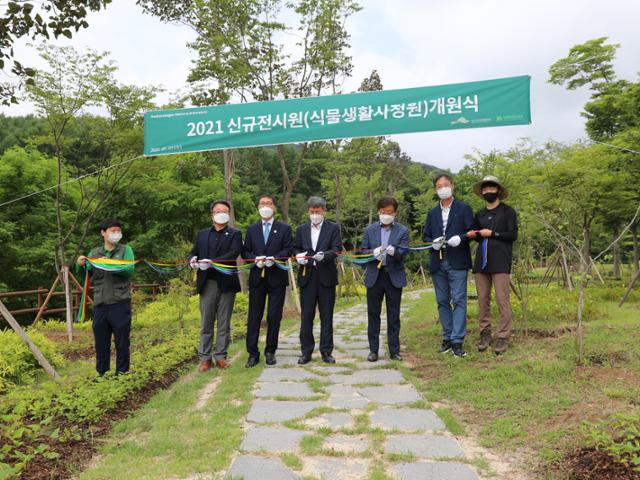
{"x":386,"y":219}
{"x":316,"y":218}
{"x":444,"y":193}
{"x":266,"y":212}
{"x":114,"y":237}
{"x":221,"y":218}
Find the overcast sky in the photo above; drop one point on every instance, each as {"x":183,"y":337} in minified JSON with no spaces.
{"x":414,"y":43}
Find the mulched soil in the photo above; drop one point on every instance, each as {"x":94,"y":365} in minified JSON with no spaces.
{"x":75,"y":453}
{"x":591,"y":464}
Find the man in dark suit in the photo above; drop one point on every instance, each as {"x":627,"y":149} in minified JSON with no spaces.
{"x":385,"y":277}
{"x":446,"y":226}
{"x":317,"y":244}
{"x":217,"y":290}
{"x":266,"y":241}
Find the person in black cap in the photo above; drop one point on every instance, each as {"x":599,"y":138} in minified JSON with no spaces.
{"x":495,"y":228}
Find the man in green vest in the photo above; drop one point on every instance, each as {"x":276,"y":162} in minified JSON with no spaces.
{"x":111,"y":299}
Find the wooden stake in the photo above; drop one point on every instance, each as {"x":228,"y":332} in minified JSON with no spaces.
{"x":636,"y":277}
{"x":68,"y":301}
{"x":32,"y":346}
{"x":46,"y":300}
{"x":294,"y":287}
{"x":566,"y":269}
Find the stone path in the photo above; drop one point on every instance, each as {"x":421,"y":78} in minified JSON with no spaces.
{"x":351,"y":420}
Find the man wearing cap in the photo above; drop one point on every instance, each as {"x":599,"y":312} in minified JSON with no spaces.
{"x":495,"y":228}
{"x":450,"y":259}
{"x":217,"y":291}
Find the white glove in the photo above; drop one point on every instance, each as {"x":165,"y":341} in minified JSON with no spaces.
{"x":193,"y":263}
{"x":204,"y":264}
{"x":269,"y":261}
{"x":391,"y":250}
{"x":260,"y":261}
{"x":378,"y":252}
{"x":454,"y":241}
{"x":300,"y":258}
{"x":438,"y":243}
{"x":318,"y":256}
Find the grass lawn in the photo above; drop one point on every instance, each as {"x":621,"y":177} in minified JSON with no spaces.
{"x":535,"y":398}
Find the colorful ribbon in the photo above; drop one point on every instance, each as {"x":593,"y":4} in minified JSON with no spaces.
{"x":82,"y":308}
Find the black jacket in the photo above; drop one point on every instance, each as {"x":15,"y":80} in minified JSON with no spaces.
{"x":226,"y":245}
{"x":279,"y":245}
{"x":503,"y":222}
{"x":329,"y":242}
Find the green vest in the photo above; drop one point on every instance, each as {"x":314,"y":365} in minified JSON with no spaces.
{"x":109,"y":287}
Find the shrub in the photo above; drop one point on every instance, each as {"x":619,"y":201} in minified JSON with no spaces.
{"x":619,"y":438}
{"x":17,"y":363}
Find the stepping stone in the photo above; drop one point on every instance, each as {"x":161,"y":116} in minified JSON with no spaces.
{"x":423,"y":445}
{"x":379,"y":376}
{"x":321,"y":368}
{"x":333,"y":420}
{"x":249,"y":467}
{"x":284,"y":360}
{"x":290,"y":374}
{"x":372,"y":365}
{"x":271,"y":439}
{"x":332,"y":468}
{"x":341,"y":396}
{"x":354,"y":345}
{"x":395,"y":395}
{"x":406,"y":419}
{"x":266,"y":411}
{"x":285,"y":389}
{"x":433,"y":471}
{"x":346,"y":443}
{"x":288,"y":352}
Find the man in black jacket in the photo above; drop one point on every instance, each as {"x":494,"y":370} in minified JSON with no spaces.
{"x":317,"y":244}
{"x":266,"y":241}
{"x":217,"y":290}
{"x":495,"y":228}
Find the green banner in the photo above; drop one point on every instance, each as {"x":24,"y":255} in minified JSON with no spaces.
{"x":489,"y":103}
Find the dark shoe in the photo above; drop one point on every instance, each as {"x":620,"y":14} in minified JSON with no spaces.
{"x":304,"y":359}
{"x":204,"y":366}
{"x":223,"y":363}
{"x":458,"y":350}
{"x":396,"y":356}
{"x":252,"y":362}
{"x":270,"y":358}
{"x":373,"y":357}
{"x":485,"y":340}
{"x":328,"y":358}
{"x":446,"y":346}
{"x":501,"y":346}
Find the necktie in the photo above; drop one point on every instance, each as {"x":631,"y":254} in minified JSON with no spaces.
{"x":265,"y":232}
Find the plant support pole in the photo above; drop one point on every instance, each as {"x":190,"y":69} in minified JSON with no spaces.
{"x":32,"y":346}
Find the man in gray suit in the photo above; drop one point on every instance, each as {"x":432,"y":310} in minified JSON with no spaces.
{"x":385,"y":277}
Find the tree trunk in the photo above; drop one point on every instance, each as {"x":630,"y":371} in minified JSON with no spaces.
{"x":616,"y":256}
{"x":227,"y":157}
{"x":338,"y":200}
{"x":586,"y":248}
{"x":636,"y":247}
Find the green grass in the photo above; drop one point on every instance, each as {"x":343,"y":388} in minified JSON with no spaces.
{"x":535,"y":396}
{"x":169,"y":438}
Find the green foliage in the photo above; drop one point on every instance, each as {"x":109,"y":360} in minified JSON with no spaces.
{"x":17,"y":364}
{"x":619,"y":438}
{"x":29,"y":416}
{"x":589,"y":63}
{"x":554,"y":306}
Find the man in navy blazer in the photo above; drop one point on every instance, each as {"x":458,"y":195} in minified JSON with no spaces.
{"x":446,"y":226}
{"x":317,"y":245}
{"x":217,"y":291}
{"x":385,"y":276}
{"x":266,"y":241}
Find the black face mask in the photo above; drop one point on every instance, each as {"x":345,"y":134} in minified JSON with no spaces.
{"x":490,"y":197}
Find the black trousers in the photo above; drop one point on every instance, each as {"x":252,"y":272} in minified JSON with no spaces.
{"x":311,"y":295}
{"x":111,"y":320}
{"x":257,"y":300}
{"x":392,"y":295}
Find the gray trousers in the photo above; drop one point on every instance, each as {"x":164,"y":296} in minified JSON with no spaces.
{"x":215,"y":307}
